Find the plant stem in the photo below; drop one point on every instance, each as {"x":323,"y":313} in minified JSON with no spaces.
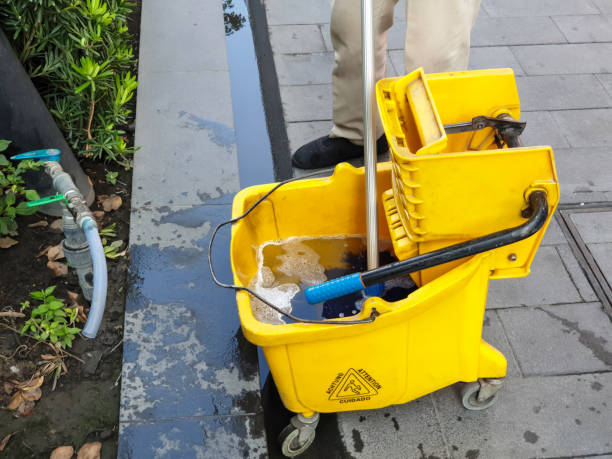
{"x":26,"y":47}
{"x":92,"y":107}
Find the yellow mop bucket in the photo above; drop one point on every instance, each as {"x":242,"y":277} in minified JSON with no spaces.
{"x":454,"y":179}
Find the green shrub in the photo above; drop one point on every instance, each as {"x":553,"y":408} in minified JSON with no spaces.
{"x":79,"y":56}
{"x":12,"y":192}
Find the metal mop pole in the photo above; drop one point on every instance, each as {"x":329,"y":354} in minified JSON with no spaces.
{"x":369,"y":131}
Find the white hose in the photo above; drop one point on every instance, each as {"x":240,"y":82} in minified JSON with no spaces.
{"x":100,"y":278}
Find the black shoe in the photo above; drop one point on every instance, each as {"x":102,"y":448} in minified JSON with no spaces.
{"x":328,"y":151}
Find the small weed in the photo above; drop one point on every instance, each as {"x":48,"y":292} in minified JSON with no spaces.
{"x":111,"y":249}
{"x":52,"y":320}
{"x":111,"y":177}
{"x":13,"y":193}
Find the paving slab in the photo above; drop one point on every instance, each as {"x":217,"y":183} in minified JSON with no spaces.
{"x":401,"y":431}
{"x":606,"y":81}
{"x":307,"y":102}
{"x":553,"y":235}
{"x":548,"y":283}
{"x":515,"y":31}
{"x":585,"y":29}
{"x":203,"y":437}
{"x":297,"y":11}
{"x":594,"y":227}
{"x":562,"y":92}
{"x":576,"y":273}
{"x":555,"y":416}
{"x":605,"y":6}
{"x":177,"y":49}
{"x":494,"y":334}
{"x":185,"y":147}
{"x":565,"y":59}
{"x":585,"y":174}
{"x":304,"y":69}
{"x":603,"y":256}
{"x":504,"y":8}
{"x":563,"y":339}
{"x":587,"y":128}
{"x":492,"y":57}
{"x":305,"y":38}
{"x":542,"y":129}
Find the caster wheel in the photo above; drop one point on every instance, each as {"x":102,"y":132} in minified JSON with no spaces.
{"x":469,"y":397}
{"x":290,"y":442}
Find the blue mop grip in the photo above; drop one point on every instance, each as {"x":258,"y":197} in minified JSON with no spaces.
{"x":334,"y":288}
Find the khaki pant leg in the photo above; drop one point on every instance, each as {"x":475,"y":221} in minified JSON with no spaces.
{"x":438,"y":34}
{"x":347,"y":80}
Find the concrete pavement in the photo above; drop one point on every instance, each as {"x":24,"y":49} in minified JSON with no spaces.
{"x":553,"y":326}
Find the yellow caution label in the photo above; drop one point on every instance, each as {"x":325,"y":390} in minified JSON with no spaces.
{"x":353,"y":386}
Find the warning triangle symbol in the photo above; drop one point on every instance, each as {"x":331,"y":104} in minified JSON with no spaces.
{"x":352,"y":385}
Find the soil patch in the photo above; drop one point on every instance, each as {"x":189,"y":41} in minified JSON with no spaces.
{"x":85,"y":404}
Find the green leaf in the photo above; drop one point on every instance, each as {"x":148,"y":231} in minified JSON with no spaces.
{"x":10,"y":198}
{"x":44,"y":336}
{"x":40,"y":310}
{"x":53,"y":339}
{"x":40,"y":295}
{"x":49,"y":290}
{"x":74,"y":330}
{"x":60,"y":313}
{"x":3,"y":146}
{"x":23,"y":209}
{"x":31,"y":195}
{"x":3,"y":160}
{"x":55,"y":305}
{"x":25,"y":328}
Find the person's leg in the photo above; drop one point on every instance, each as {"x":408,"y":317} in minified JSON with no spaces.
{"x":346,"y":138}
{"x":347,"y":78}
{"x":438,"y":34}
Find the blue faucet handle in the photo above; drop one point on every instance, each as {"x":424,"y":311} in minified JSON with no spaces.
{"x":48,"y":154}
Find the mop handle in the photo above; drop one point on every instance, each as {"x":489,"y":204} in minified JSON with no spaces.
{"x":369,"y":130}
{"x":357,"y":281}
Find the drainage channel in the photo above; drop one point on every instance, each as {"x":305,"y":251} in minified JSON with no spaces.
{"x":581,"y":250}
{"x":263,"y":157}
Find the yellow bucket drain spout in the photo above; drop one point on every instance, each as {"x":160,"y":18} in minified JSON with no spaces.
{"x":459,"y":182}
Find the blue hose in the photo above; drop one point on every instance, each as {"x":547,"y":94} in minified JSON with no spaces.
{"x":100,"y":278}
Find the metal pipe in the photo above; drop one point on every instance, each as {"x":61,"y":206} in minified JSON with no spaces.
{"x":369,"y":131}
{"x":63,"y":184}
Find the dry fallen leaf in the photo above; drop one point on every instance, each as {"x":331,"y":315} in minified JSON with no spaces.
{"x":98,"y":214}
{"x":90,"y":450}
{"x":59,"y":269}
{"x":62,"y":452}
{"x":5,"y":440}
{"x":15,"y":402}
{"x":32,"y":395}
{"x":74,"y":296}
{"x":6,"y":242}
{"x":55,"y":252}
{"x":112,"y":202}
{"x":34,"y":383}
{"x":39,"y":224}
{"x":43,"y":251}
{"x":56,"y":226}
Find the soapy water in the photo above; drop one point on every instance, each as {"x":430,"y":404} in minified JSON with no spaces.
{"x":287,"y":267}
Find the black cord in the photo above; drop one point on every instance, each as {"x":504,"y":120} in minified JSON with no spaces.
{"x":256,"y":295}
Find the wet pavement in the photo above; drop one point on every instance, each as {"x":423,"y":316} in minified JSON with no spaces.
{"x":191,"y":383}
